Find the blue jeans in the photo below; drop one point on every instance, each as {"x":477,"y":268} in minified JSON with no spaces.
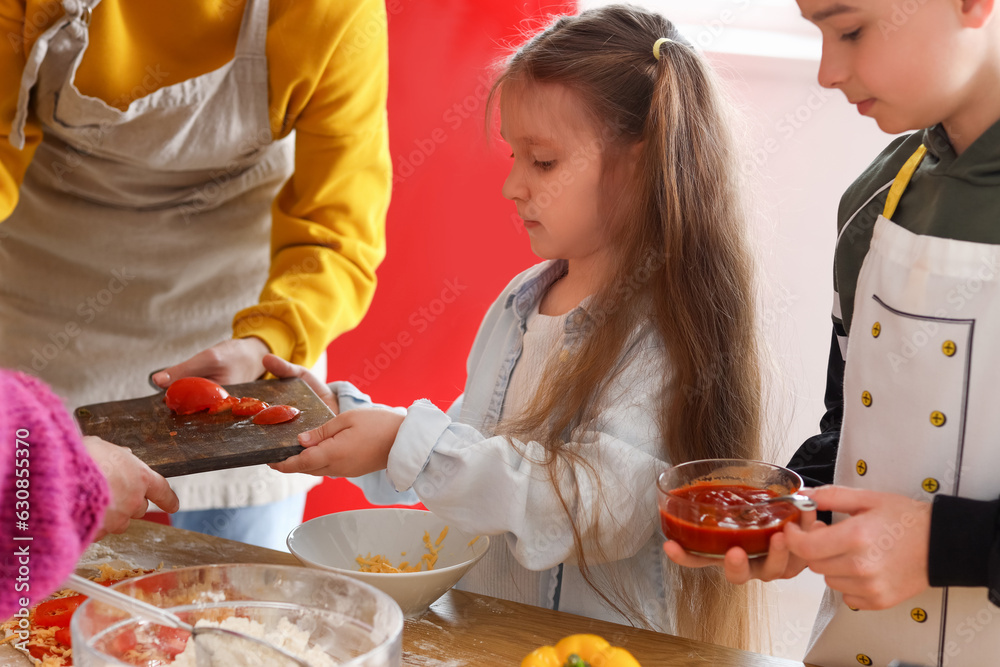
{"x":263,"y":525}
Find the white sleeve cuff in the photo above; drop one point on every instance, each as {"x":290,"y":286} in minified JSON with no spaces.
{"x":418,"y":435}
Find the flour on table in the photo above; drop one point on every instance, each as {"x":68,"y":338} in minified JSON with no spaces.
{"x":228,"y":651}
{"x":99,"y":553}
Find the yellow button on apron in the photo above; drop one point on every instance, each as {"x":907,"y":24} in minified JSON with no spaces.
{"x":852,"y":608}
{"x":864,"y":659}
{"x":876,"y":329}
{"x":930,"y":485}
{"x":918,"y":614}
{"x":861,"y":467}
{"x":938,"y":418}
{"x":866,"y":399}
{"x":949,"y":348}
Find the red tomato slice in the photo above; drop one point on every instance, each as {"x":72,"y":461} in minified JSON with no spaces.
{"x":189,"y":395}
{"x":121,"y":643}
{"x":38,"y":652}
{"x":161,"y":583}
{"x":172,"y":641}
{"x":248,"y":407}
{"x":226,"y":404}
{"x":57,"y":612}
{"x":63,"y":637}
{"x":276,"y":414}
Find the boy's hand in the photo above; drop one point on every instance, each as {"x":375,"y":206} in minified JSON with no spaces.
{"x":280,"y":368}
{"x":779,"y":563}
{"x":351,"y":444}
{"x":877,"y":557}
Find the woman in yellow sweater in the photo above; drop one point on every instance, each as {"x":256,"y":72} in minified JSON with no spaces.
{"x":188,"y":185}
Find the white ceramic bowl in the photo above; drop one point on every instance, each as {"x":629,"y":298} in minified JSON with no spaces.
{"x":334,"y":541}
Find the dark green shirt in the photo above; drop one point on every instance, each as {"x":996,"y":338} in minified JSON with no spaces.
{"x":950,"y":196}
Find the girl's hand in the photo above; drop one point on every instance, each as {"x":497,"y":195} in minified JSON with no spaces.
{"x":133,"y":484}
{"x":351,"y":444}
{"x":878,"y":556}
{"x":779,"y":563}
{"x":229,"y":362}
{"x":285,"y":369}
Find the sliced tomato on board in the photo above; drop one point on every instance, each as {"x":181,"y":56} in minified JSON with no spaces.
{"x":226,"y":404}
{"x":276,"y":414}
{"x":57,"y":612}
{"x":192,"y":394}
{"x":248,"y":407}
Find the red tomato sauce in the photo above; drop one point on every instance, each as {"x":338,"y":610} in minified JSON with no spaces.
{"x":712,"y":518}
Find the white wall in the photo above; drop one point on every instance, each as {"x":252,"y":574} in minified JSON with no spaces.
{"x":807,"y":144}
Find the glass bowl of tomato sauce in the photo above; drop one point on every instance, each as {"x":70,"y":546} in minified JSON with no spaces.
{"x":712,"y":505}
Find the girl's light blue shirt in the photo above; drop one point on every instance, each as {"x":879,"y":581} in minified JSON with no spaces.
{"x":483,"y":484}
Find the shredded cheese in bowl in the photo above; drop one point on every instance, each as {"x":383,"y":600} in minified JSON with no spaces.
{"x":381,"y":564}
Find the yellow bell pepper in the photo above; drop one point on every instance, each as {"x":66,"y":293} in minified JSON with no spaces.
{"x":580,"y":651}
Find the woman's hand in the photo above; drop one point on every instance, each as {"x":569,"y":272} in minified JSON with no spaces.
{"x":284,"y":369}
{"x":133,"y":484}
{"x":351,"y":444}
{"x":229,"y":362}
{"x":877,"y":557}
{"x":780,"y":562}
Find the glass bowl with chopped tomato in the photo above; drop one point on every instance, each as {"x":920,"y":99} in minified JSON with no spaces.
{"x":325,"y":618}
{"x":712,"y":505}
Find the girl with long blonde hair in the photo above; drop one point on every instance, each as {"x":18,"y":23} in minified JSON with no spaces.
{"x":632,"y":347}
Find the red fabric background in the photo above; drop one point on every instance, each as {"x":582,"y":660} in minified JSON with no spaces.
{"x":453,"y":241}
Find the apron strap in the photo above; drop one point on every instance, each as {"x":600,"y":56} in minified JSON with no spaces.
{"x":74,"y":10}
{"x":902,"y":180}
{"x":253,"y":29}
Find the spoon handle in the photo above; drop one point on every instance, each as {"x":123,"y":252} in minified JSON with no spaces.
{"x":804,"y":503}
{"x":125,"y":602}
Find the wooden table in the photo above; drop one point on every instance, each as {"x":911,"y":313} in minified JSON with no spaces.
{"x":459,"y":629}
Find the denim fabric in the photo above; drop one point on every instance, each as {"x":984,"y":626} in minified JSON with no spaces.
{"x":483,"y":483}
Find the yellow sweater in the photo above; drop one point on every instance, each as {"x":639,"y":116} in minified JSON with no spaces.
{"x":328,"y":81}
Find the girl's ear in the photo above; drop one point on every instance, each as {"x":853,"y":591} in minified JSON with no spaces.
{"x":975,"y":13}
{"x":632,"y":155}
{"x":635,"y":150}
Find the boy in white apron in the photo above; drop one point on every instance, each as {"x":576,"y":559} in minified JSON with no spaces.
{"x":911,"y":437}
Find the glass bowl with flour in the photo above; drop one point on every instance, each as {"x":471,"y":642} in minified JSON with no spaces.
{"x":326,"y":619}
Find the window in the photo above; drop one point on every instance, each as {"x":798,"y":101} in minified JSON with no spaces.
{"x":771,"y":28}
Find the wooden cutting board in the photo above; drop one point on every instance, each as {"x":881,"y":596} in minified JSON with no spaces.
{"x":180,"y":445}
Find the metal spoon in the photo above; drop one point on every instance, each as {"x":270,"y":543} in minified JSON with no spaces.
{"x":804,"y":503}
{"x":164,"y":617}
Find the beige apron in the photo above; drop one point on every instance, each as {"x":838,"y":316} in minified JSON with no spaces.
{"x":920,"y":418}
{"x":139,"y":234}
